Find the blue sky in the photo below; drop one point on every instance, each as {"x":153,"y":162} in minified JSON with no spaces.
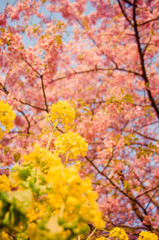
{"x":35,"y":20}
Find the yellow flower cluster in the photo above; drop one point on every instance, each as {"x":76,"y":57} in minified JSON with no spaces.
{"x":75,"y":194}
{"x":4,"y":236}
{"x":7,"y":117}
{"x":37,"y":211}
{"x":118,"y":233}
{"x":71,"y":143}
{"x":4,"y":183}
{"x":62,"y":203}
{"x":62,"y":113}
{"x":147,"y":236}
{"x":41,"y":158}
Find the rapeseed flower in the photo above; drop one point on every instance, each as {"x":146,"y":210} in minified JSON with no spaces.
{"x":118,"y":233}
{"x":7,"y":117}
{"x":62,"y":113}
{"x":4,"y":236}
{"x":75,"y":193}
{"x":4,"y":183}
{"x":71,"y":143}
{"x":42,"y":158}
{"x":147,"y":236}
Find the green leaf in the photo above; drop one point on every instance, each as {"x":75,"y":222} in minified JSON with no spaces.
{"x":128,"y":98}
{"x":22,"y":199}
{"x":24,"y":173}
{"x":53,"y":225}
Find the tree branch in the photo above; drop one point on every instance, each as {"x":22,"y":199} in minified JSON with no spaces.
{"x":28,"y":128}
{"x":148,"y":21}
{"x":44,"y":94}
{"x":31,"y":105}
{"x":39,"y":75}
{"x":152,"y":189}
{"x":126,"y":1}
{"x":147,"y":137}
{"x":130,"y":197}
{"x":121,"y":7}
{"x":42,"y":83}
{"x":3,"y":89}
{"x":95,"y":70}
{"x":144,"y":74}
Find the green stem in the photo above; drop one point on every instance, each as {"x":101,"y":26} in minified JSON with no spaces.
{"x":91,"y":234}
{"x":66,"y":159}
{"x":47,"y":147}
{"x":62,"y":210}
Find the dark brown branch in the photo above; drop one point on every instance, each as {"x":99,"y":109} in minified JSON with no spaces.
{"x":126,"y":1}
{"x":44,"y":94}
{"x":148,"y":21}
{"x":146,"y":46}
{"x":128,"y":71}
{"x":121,"y":7}
{"x":151,"y":199}
{"x":147,"y":137}
{"x":95,"y":70}
{"x":31,"y":105}
{"x":152,"y":189}
{"x":3,"y":89}
{"x":19,"y":132}
{"x":129,"y":196}
{"x":144,"y":74}
{"x":25,"y":103}
{"x":148,"y":124}
{"x":39,"y":75}
{"x":42,"y":83}
{"x":28,"y":122}
{"x":125,"y":226}
{"x":147,"y":193}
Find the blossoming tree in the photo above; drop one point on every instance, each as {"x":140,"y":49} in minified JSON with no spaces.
{"x":102,"y":57}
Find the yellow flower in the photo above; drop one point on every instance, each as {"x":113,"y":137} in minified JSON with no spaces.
{"x":7,"y":117}
{"x":4,"y":183}
{"x":4,"y":236}
{"x":75,"y":193}
{"x":42,"y":158}
{"x":147,"y":236}
{"x":14,"y":176}
{"x":71,"y":143}
{"x":36,"y":212}
{"x":118,"y":234}
{"x":62,"y":113}
{"x":33,"y":231}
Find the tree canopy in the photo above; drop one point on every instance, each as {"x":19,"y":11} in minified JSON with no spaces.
{"x":101,"y":56}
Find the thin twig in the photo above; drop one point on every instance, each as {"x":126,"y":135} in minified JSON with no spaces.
{"x":44,"y":94}
{"x":121,"y":7}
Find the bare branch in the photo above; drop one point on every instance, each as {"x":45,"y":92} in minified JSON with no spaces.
{"x":95,"y":70}
{"x":147,"y":137}
{"x":150,"y":190}
{"x":128,"y":195}
{"x":144,"y":74}
{"x":28,"y":122}
{"x":121,"y":7}
{"x":126,"y":1}
{"x":39,"y":75}
{"x":148,"y":21}
{"x":44,"y":94}
{"x":3,"y":89}
{"x":31,"y":105}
